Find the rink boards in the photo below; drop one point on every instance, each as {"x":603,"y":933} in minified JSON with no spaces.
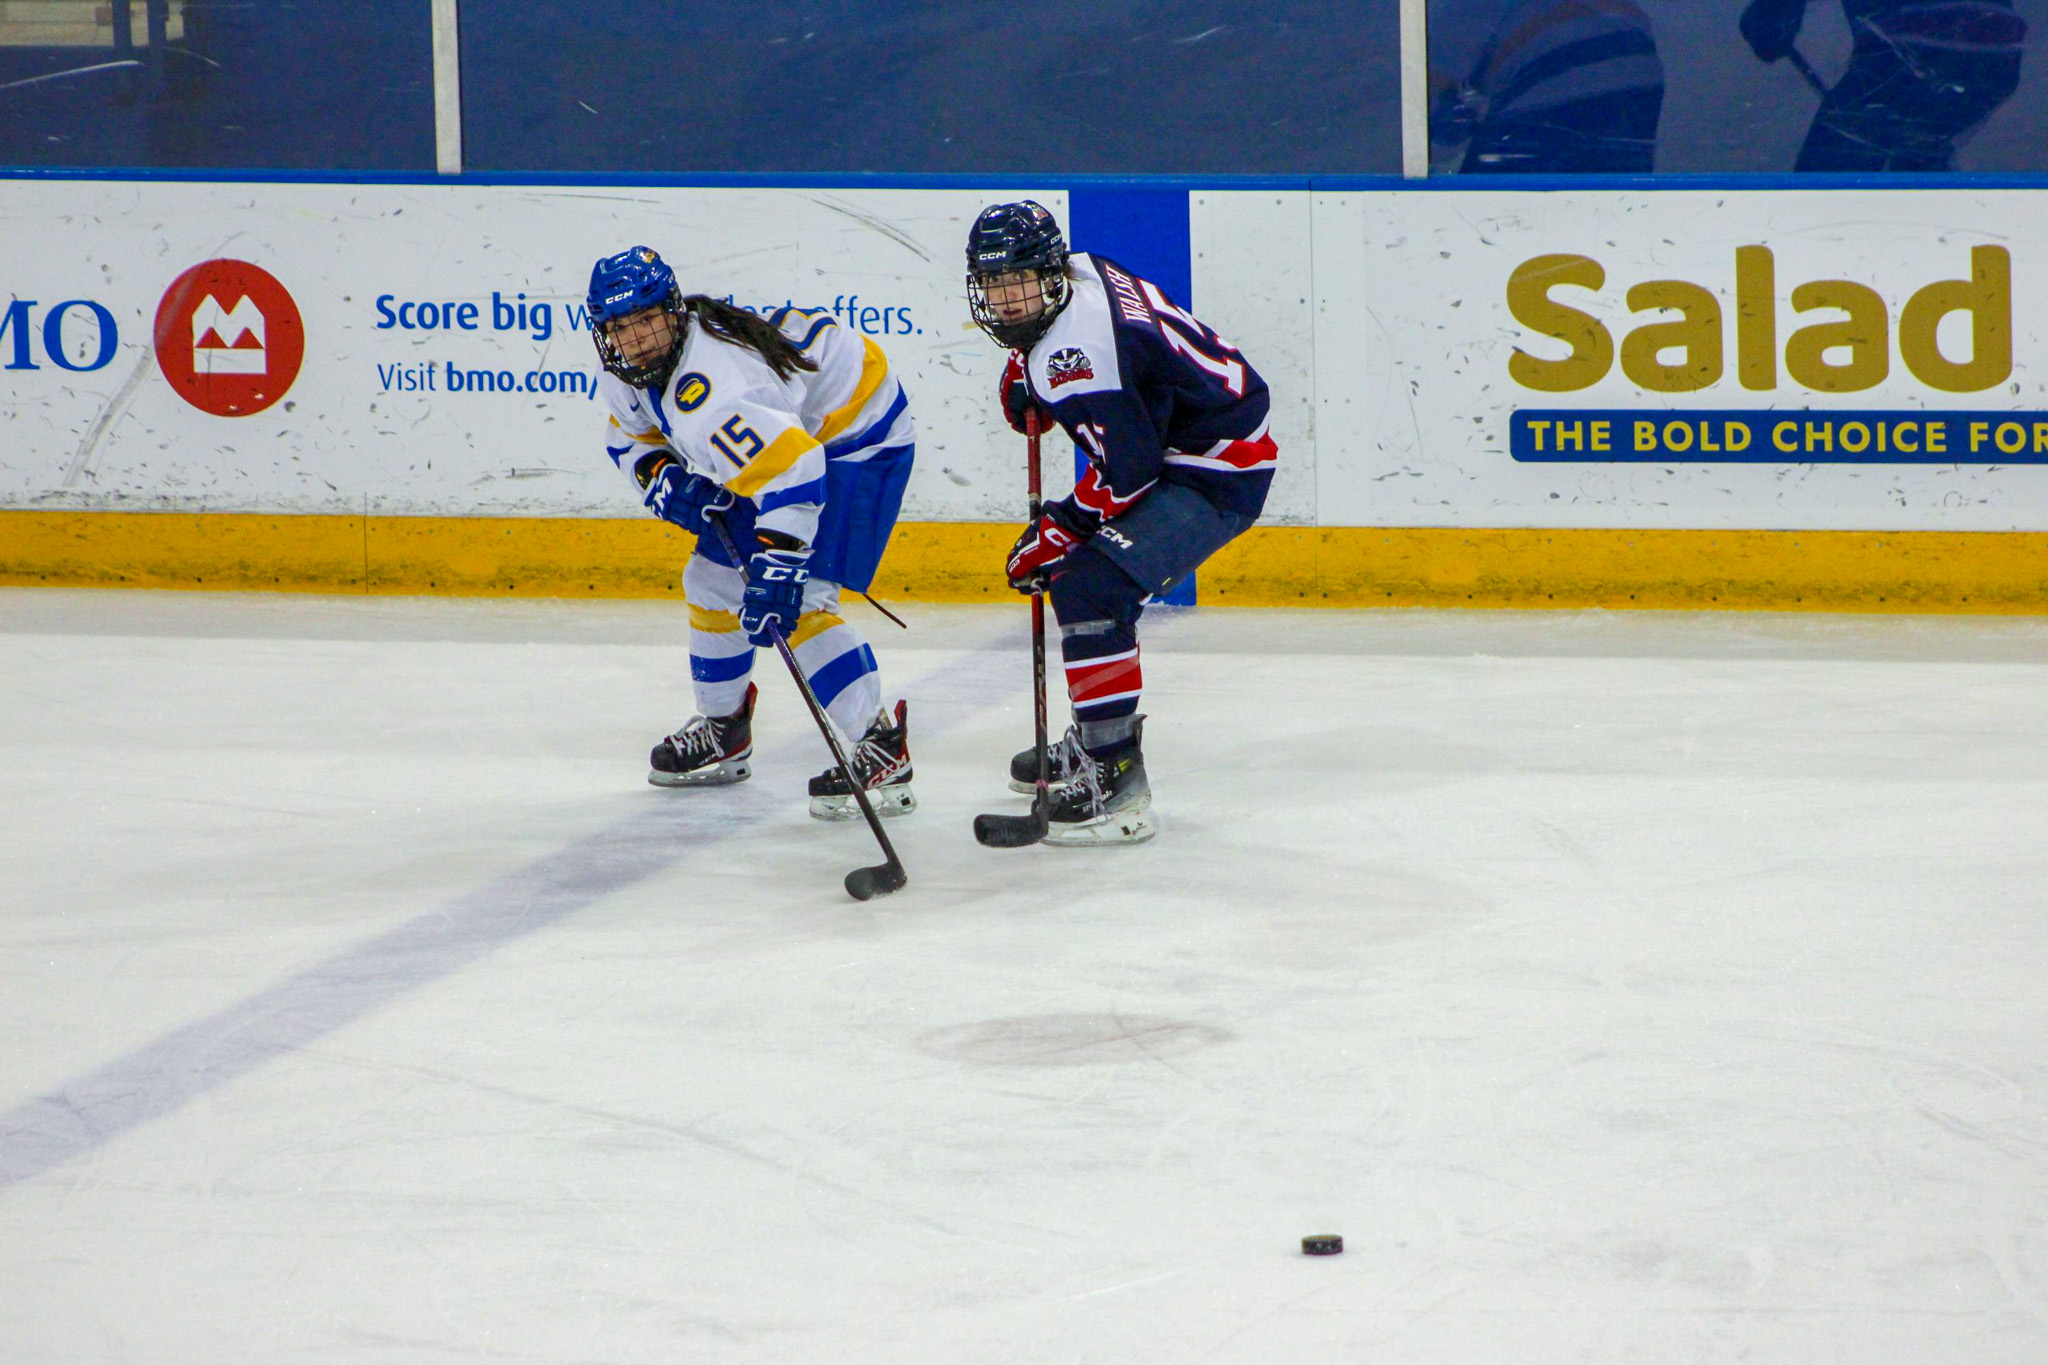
{"x":1793,"y":398}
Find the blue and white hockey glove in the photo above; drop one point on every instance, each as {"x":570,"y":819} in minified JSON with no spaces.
{"x":775,"y":592}
{"x":675,"y":494}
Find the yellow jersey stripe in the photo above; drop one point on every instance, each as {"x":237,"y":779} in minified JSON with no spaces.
{"x":874,"y":368}
{"x":781,"y":454}
{"x":649,"y":436}
{"x":811,"y":625}
{"x":715,"y":622}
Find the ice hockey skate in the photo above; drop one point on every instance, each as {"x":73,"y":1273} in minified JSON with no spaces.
{"x":882,"y":763}
{"x":1104,"y":801}
{"x":709,"y":751}
{"x":1059,"y":765}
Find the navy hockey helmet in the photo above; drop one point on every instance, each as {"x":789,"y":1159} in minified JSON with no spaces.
{"x":1010,"y":239}
{"x":633,"y":282}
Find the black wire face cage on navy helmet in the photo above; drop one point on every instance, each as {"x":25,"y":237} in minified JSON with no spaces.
{"x":1005,"y":239}
{"x":634,"y":281}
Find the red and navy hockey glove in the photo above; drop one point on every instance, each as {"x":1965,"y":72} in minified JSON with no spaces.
{"x":1042,"y":546}
{"x":1015,"y":392}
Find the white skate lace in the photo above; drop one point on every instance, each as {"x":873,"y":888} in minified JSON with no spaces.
{"x":874,"y":761}
{"x":698,"y":741}
{"x":1082,"y":770}
{"x":1068,"y":757}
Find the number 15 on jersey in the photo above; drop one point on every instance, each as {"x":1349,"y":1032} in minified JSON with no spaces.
{"x":737,"y":441}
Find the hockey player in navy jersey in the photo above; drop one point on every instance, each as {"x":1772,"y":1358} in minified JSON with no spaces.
{"x":795,"y":433}
{"x":1172,"y":420}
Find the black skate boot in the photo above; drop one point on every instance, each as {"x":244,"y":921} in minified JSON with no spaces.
{"x":1059,"y":764}
{"x":882,"y":763}
{"x":710,"y":751}
{"x":1106,"y":801}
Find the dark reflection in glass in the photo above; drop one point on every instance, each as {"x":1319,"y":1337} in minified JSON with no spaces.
{"x":970,"y":86}
{"x":1545,"y":87}
{"x":292,"y":84}
{"x":1923,"y":77}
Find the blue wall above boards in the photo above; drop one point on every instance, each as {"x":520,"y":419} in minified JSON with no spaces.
{"x":964,"y":86}
{"x":1812,"y":86}
{"x":332,"y":85}
{"x":984,"y":88}
{"x":1145,"y":229}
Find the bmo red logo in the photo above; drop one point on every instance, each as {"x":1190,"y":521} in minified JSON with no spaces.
{"x":229,"y":338}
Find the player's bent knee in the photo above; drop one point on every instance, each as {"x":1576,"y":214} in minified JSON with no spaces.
{"x":1090,"y":587}
{"x":711,"y":585}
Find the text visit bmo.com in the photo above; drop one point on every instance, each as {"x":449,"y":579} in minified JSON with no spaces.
{"x":540,"y":321}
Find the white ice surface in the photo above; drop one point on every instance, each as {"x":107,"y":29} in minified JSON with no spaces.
{"x":1630,"y":988}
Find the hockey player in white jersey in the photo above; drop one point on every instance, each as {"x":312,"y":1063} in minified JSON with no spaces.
{"x":793,"y":431}
{"x":1173,"y":422}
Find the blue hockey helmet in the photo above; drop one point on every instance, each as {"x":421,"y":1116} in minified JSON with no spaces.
{"x":637,"y":281}
{"x":1011,"y":240}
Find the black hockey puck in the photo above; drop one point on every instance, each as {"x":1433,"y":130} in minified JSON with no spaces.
{"x":1327,"y":1245}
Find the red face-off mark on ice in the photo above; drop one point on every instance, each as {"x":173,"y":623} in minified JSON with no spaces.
{"x":229,"y":338}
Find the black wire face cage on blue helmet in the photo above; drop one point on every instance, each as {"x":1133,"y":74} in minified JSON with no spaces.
{"x":631,"y":282}
{"x":1005,"y":239}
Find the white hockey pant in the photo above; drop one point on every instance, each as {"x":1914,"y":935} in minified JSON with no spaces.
{"x":833,"y":655}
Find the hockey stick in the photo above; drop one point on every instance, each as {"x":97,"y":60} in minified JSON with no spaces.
{"x":863,"y":883}
{"x":1805,"y":68}
{"x":1021,"y":831}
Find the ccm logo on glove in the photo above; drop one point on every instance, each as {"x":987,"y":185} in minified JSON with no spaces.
{"x":775,"y":594}
{"x":1044,"y":543}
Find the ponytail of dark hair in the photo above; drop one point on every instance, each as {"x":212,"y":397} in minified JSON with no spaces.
{"x":742,"y":328}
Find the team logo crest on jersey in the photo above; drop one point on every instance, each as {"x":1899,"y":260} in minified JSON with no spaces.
{"x":1068,"y":365}
{"x":691,"y":391}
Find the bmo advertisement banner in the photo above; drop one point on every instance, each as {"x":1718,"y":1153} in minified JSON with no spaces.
{"x":425,"y":349}
{"x":1853,"y":360}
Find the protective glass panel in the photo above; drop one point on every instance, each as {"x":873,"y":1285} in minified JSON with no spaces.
{"x":333,"y":85}
{"x":1632,"y":86}
{"x":906,"y":86}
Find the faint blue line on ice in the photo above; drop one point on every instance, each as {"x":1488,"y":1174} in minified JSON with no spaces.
{"x":162,"y":1077}
{"x":165,"y":1075}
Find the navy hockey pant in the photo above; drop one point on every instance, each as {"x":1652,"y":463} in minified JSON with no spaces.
{"x":1100,"y":590}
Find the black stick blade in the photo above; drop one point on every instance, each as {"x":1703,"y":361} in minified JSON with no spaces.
{"x":866,"y":883}
{"x":1009,"y":831}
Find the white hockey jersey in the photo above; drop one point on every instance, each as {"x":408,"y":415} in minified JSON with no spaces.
{"x":726,"y":415}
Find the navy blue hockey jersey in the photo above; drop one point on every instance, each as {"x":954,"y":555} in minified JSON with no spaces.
{"x":1149,"y":393}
